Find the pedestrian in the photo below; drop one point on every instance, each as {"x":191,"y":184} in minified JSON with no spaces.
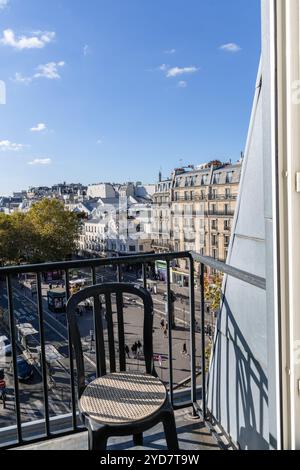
{"x":165,"y":332}
{"x":162,"y":323}
{"x":127,"y":352}
{"x":134,"y":350}
{"x":139,"y":347}
{"x":184,"y":349}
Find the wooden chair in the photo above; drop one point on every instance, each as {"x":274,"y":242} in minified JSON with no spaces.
{"x":119,"y":403}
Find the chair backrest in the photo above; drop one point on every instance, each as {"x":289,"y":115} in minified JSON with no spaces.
{"x":106,"y":291}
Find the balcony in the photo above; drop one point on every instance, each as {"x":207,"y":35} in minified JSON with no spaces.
{"x":44,"y":414}
{"x":220,"y":213}
{"x":222,"y":197}
{"x":162,"y":244}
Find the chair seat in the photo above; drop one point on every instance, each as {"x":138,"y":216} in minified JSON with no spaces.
{"x":122,"y":398}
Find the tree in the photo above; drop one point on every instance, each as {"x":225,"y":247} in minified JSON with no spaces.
{"x":55,"y":231}
{"x":45,"y":233}
{"x":213,"y":291}
{"x":5,"y":238}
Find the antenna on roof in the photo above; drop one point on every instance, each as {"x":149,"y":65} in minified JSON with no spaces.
{"x":160,"y":175}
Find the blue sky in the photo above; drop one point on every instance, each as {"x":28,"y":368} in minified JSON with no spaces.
{"x":114,"y":90}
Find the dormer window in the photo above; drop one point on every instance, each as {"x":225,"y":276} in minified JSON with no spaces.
{"x":229,"y":177}
{"x":217,"y":178}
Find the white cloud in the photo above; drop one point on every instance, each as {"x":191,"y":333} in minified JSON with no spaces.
{"x":39,"y":127}
{"x":182,"y":84}
{"x":86,"y":50}
{"x":37,"y":41}
{"x":7,"y":145}
{"x":231,"y":47}
{"x":170,"y":51}
{"x":19,"y":78}
{"x":49,"y":71}
{"x":40,"y":161}
{"x":163,"y":67}
{"x":3,"y":4}
{"x":175,"y":71}
{"x":99,"y":141}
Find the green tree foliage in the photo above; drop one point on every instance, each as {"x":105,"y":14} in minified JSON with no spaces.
{"x":45,"y":233}
{"x":213,"y":291}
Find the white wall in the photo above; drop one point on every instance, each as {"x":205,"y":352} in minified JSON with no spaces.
{"x":101,"y":190}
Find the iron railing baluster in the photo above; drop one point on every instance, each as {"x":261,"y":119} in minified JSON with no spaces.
{"x":203,"y":371}
{"x":192,"y":334}
{"x":71,"y":361}
{"x":170,"y":327}
{"x":43,"y":352}
{"x":14,"y":355}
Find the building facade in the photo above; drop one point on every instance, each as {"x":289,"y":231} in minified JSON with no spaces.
{"x":194,"y":209}
{"x":119,"y":225}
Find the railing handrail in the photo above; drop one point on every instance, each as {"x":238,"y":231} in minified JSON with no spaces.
{"x":237,"y":273}
{"x":88,"y":263}
{"x":232,"y":271}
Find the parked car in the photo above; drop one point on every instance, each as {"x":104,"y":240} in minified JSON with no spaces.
{"x":25,"y":370}
{"x":5,"y":346}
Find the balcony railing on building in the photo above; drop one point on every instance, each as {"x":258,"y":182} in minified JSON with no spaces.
{"x":222,"y":197}
{"x":194,"y":387}
{"x":220,"y":213}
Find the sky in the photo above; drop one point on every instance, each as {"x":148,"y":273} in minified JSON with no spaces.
{"x":117,"y":90}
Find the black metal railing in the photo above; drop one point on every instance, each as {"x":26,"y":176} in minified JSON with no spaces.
{"x":222,"y":197}
{"x":196,"y":395}
{"x":220,"y":213}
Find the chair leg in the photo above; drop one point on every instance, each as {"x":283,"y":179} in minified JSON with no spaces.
{"x":171,"y":432}
{"x":97,"y":440}
{"x":138,"y":439}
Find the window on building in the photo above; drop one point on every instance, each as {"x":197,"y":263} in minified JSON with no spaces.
{"x":226,"y":225}
{"x":216,"y":179}
{"x":131,"y":248}
{"x":214,"y":225}
{"x":227,"y":193}
{"x":229,"y":177}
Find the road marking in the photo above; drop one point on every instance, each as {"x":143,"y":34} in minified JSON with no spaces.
{"x":46,"y":311}
{"x":48,"y":324}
